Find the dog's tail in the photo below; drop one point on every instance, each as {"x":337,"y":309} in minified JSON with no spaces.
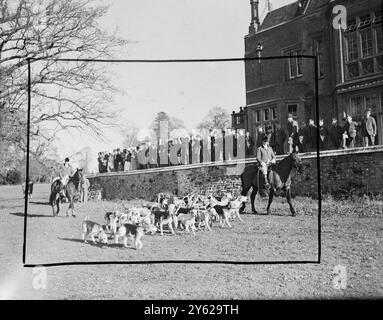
{"x":86,"y":218}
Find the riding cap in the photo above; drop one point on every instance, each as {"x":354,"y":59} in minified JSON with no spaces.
{"x":67,"y":159}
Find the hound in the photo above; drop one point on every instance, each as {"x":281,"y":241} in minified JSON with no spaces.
{"x":90,"y":228}
{"x":133,"y":231}
{"x":164,"y":216}
{"x":235,"y":206}
{"x":187,"y":220}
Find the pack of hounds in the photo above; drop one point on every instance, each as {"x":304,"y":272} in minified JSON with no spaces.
{"x":187,"y":214}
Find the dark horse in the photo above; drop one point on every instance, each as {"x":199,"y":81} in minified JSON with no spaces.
{"x":70,"y":191}
{"x":279,"y":176}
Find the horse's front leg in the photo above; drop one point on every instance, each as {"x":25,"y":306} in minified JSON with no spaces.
{"x":69,"y":207}
{"x":288,"y":197}
{"x":244,"y":193}
{"x":252,"y":199}
{"x":271,"y":196}
{"x":73,"y":214}
{"x":53,"y":209}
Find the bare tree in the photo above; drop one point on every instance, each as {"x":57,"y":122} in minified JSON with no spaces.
{"x":130,"y":135}
{"x":73,"y":94}
{"x":217,"y":118}
{"x":172,"y":123}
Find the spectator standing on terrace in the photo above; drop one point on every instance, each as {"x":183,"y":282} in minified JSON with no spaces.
{"x":110,"y":163}
{"x":184,"y":150}
{"x":249,"y":144}
{"x":349,"y":133}
{"x":212,"y":145}
{"x":134,"y":162}
{"x":303,"y":134}
{"x":278,"y":139}
{"x":312,"y":136}
{"x":301,"y":146}
{"x":114,"y":159}
{"x":335,"y":135}
{"x":128,"y":161}
{"x":269,"y":132}
{"x":99,"y":160}
{"x":119,"y":160}
{"x":323,"y":135}
{"x":292,"y":133}
{"x":260,"y":135}
{"x":368,"y":129}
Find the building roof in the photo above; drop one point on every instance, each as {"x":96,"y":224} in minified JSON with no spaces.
{"x":280,"y":15}
{"x":290,"y":11}
{"x":315,"y":4}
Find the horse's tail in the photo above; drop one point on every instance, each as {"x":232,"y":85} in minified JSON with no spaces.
{"x":55,"y":189}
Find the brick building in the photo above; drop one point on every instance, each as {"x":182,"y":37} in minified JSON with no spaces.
{"x":350,"y":64}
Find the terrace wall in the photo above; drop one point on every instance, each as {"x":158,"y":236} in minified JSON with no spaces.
{"x":342,"y":172}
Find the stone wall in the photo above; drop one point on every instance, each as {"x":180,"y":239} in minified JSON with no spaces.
{"x":342,"y":172}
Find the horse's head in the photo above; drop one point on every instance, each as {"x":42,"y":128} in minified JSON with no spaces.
{"x":79,"y":174}
{"x":297,"y":162}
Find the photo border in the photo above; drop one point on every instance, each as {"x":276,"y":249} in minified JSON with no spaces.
{"x":277,"y":262}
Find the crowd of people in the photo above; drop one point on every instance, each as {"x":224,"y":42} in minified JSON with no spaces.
{"x":303,"y":138}
{"x":298,"y":137}
{"x":190,"y":149}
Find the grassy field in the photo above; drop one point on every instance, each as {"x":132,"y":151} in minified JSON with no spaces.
{"x":351,"y":237}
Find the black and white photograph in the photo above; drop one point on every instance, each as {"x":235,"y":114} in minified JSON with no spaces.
{"x":191,"y":150}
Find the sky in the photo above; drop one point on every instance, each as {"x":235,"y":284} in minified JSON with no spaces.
{"x":173,"y":29}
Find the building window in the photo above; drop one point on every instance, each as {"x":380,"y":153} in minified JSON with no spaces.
{"x":352,"y":47}
{"x":355,"y":106}
{"x":291,"y":66}
{"x":379,"y":40}
{"x":293,"y":109}
{"x":379,"y":63}
{"x":368,"y":66}
{"x":273,"y":113}
{"x":258,"y":116}
{"x":364,"y":45}
{"x":299,"y":63}
{"x":294,"y":64}
{"x":266,"y":114}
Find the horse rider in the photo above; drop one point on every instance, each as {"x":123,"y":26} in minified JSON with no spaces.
{"x":265,"y":157}
{"x":66,"y":171}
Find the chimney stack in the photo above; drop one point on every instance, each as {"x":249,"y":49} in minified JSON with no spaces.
{"x":254,"y":24}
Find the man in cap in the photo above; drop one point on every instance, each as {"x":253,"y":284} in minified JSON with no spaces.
{"x":265,"y":157}
{"x":66,"y":171}
{"x":368,"y":129}
{"x":292,"y":132}
{"x":335,"y":134}
{"x":349,"y":135}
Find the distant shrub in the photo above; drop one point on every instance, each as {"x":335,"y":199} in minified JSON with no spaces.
{"x":13,"y":177}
